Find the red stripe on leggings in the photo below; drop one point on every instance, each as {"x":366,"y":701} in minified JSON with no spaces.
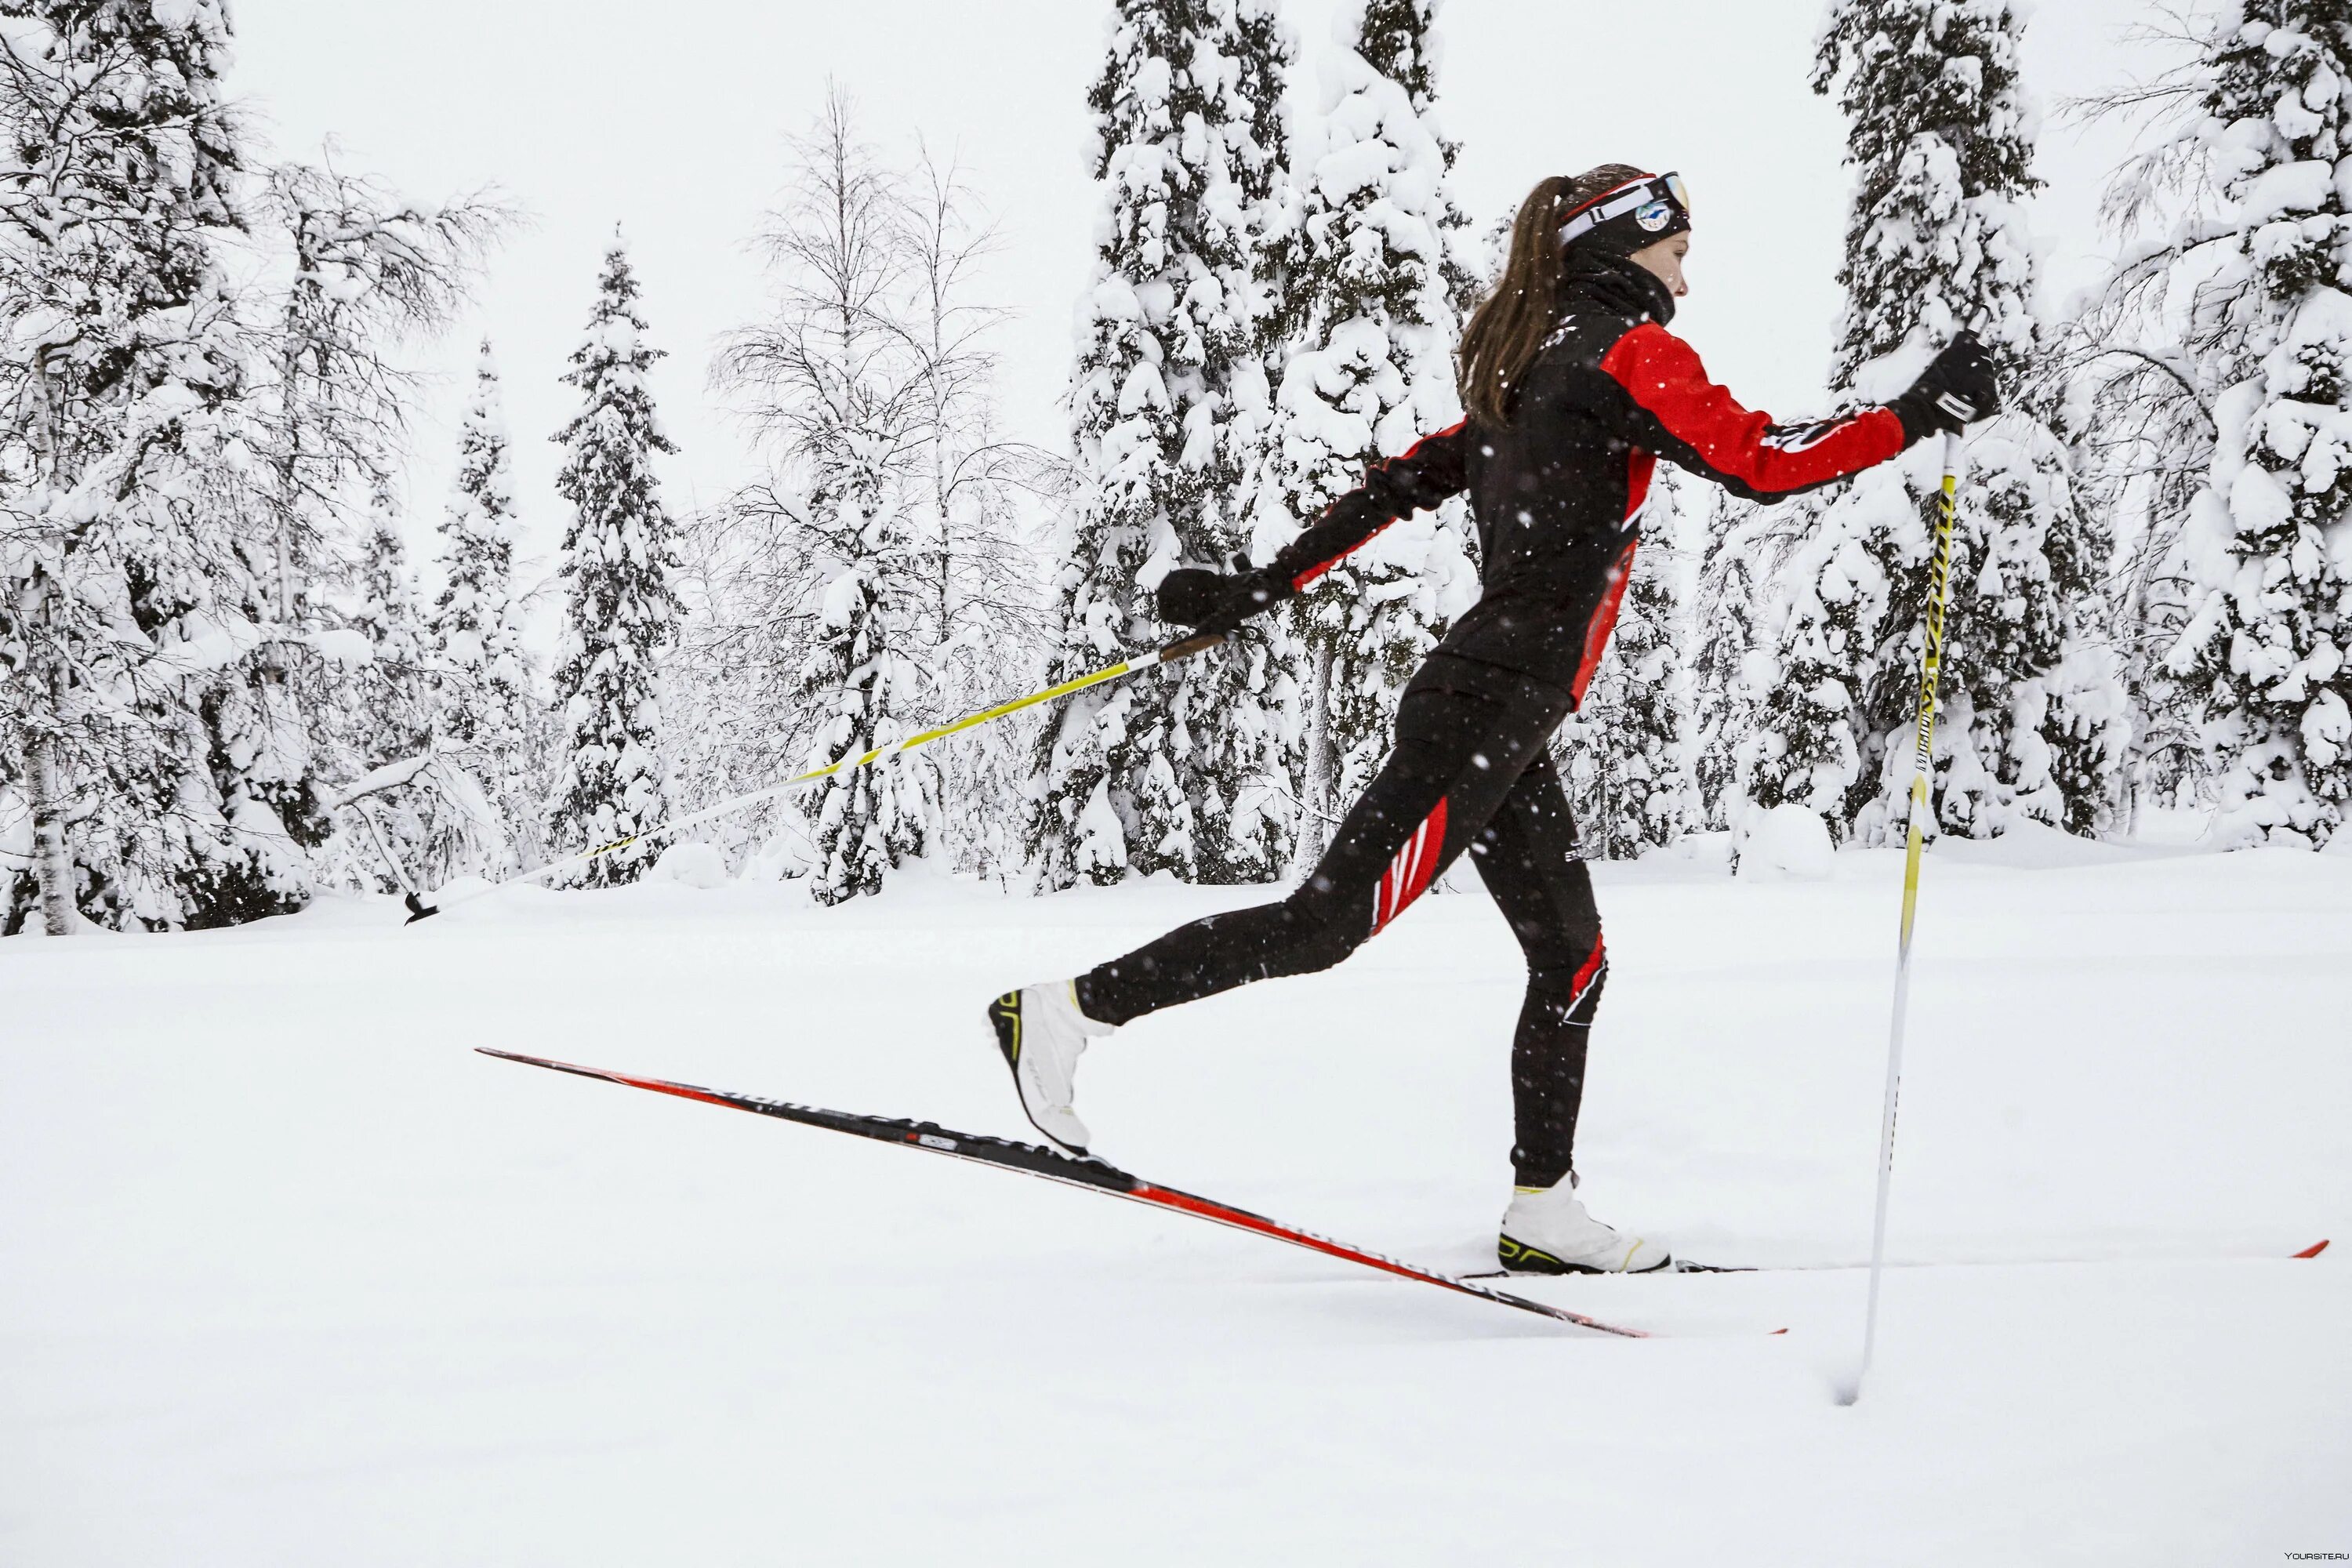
{"x":1589,"y":973}
{"x":1409,"y":875}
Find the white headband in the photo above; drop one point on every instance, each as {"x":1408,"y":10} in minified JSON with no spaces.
{"x":1628,"y":197}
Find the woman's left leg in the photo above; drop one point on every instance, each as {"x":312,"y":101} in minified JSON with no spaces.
{"x":1458,"y":754}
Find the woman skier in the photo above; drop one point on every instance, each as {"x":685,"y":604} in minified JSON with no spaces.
{"x":1574,"y":389}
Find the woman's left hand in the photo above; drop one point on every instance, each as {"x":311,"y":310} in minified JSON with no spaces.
{"x":1211,"y":601}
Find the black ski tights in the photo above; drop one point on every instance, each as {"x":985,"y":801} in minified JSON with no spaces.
{"x":1470,"y":771}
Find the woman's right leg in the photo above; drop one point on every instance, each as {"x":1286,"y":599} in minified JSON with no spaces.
{"x":1457,"y":756}
{"x":1528,"y":858}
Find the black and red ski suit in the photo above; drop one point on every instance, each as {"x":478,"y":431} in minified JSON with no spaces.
{"x":1558,"y":497}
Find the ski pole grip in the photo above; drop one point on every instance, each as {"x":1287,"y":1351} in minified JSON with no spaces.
{"x":1190,"y":646}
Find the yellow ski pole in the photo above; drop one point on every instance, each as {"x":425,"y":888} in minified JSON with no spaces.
{"x":1169,"y":654}
{"x":1931,"y":667}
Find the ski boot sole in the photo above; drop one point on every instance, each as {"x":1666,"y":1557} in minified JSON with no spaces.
{"x":1517,"y":1258}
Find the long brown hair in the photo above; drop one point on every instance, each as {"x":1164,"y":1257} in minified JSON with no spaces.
{"x":1511,"y":324}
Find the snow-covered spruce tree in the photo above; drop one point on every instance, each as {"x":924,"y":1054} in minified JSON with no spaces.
{"x":145,"y":748}
{"x":621,"y":613}
{"x":1728,"y":673}
{"x":828,"y":563}
{"x":2267,"y":548}
{"x":391,"y":721}
{"x":370,"y":269}
{"x":1626,"y":756}
{"x":1941,"y":143}
{"x":2138,"y":412}
{"x":1369,"y":372}
{"x":486,"y":720}
{"x":2140,"y":366}
{"x":1186,"y":770}
{"x":369,"y":272}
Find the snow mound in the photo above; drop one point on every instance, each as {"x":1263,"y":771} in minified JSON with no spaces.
{"x":692,"y":865}
{"x":1787,"y":841}
{"x":1709,"y":849}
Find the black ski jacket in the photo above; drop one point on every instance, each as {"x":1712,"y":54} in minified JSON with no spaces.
{"x":1558,"y":493}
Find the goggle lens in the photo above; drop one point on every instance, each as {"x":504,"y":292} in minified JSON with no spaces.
{"x":1676,"y":189}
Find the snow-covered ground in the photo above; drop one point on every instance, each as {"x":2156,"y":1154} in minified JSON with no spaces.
{"x":289,"y":1275}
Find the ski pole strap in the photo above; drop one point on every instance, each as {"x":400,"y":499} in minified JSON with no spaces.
{"x":1169,"y":654}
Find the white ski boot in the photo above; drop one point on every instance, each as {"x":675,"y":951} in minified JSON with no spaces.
{"x":1042,"y":1033}
{"x":1547,"y":1231}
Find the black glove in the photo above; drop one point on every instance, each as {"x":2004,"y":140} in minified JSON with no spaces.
{"x":1211,"y":601}
{"x":1953,"y":393}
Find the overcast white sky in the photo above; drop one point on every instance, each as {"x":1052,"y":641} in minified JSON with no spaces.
{"x":668,"y":119}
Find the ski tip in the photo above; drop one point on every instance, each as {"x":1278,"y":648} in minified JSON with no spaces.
{"x":2314,"y":1250}
{"x":541,"y":1062}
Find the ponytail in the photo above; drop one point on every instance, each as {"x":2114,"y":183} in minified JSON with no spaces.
{"x":1508,"y":329}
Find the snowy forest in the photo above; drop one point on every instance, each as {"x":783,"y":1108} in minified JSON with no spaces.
{"x":571,"y":570}
{"x":247,"y":665}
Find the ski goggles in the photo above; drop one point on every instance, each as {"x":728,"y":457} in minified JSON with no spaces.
{"x":1646,"y":209}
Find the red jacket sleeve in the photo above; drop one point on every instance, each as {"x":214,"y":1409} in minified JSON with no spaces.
{"x":1680,"y":415}
{"x":1393,"y":488}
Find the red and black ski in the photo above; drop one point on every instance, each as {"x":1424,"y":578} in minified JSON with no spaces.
{"x":1680,"y":1267}
{"x":1054,"y":1166}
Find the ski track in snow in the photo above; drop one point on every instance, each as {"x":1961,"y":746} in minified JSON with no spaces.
{"x":289,"y":1275}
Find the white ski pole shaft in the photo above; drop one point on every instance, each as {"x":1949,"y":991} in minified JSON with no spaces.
{"x":1930,"y":669}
